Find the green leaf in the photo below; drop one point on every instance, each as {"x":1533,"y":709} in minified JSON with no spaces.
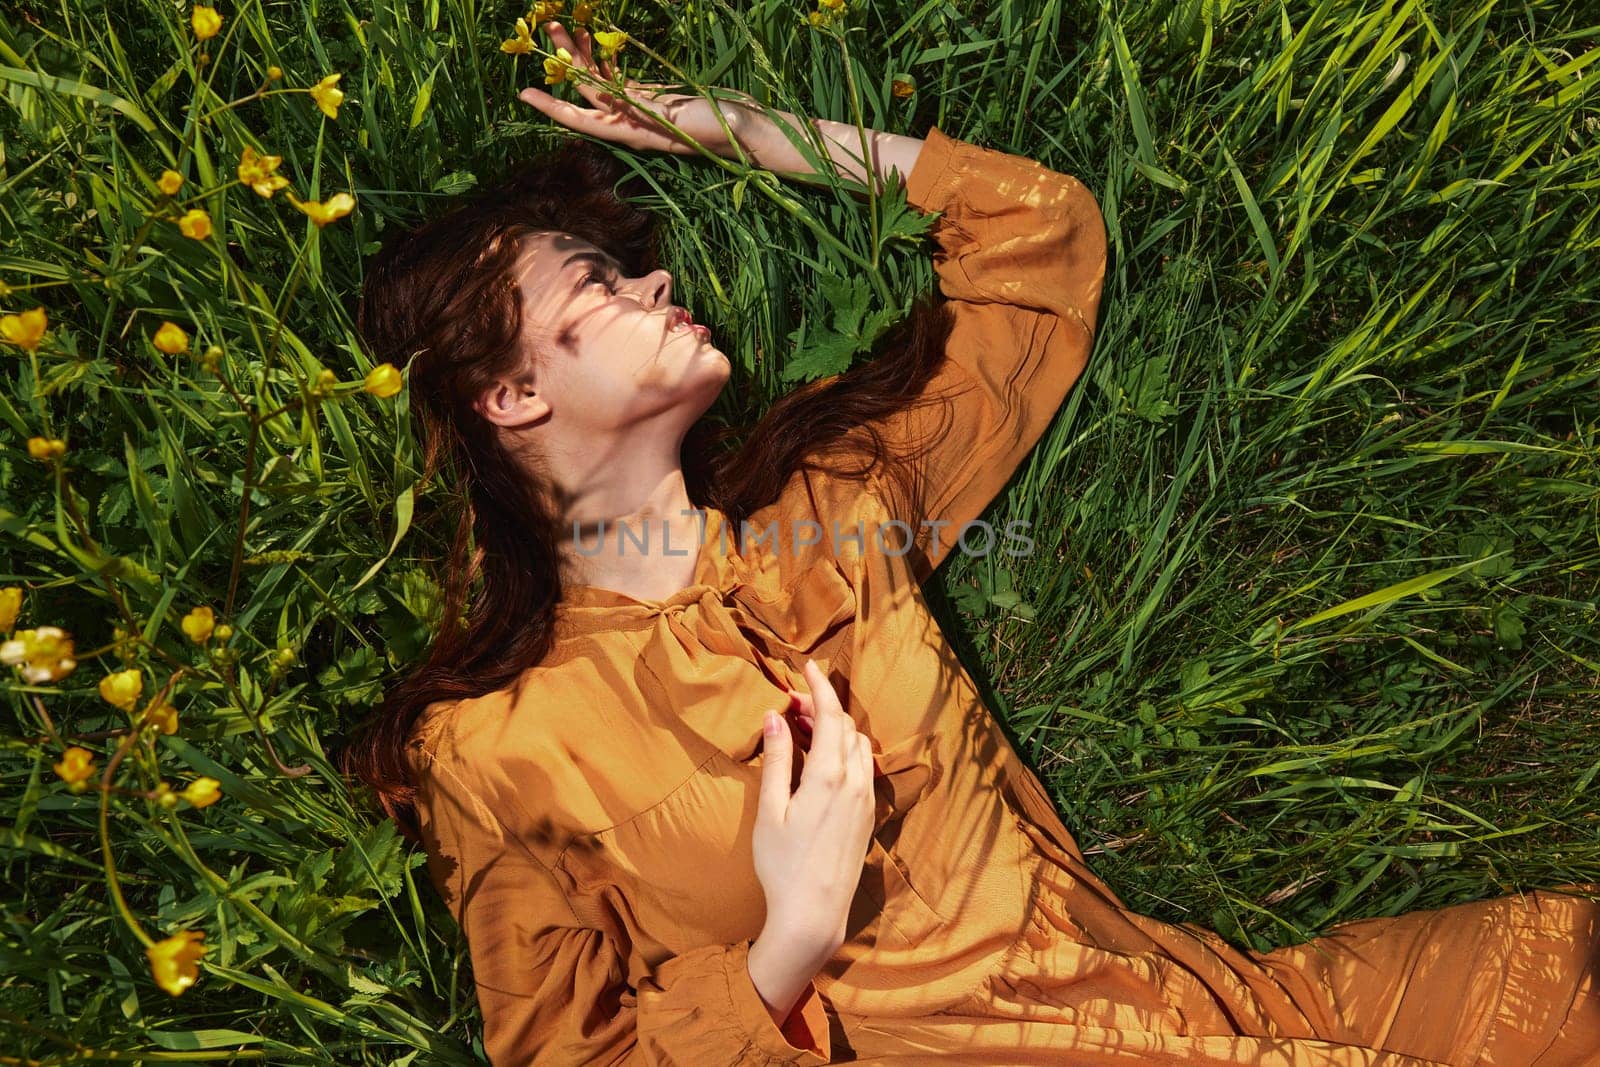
{"x":191,"y":1040}
{"x":1382,"y":598}
{"x":1194,"y":674}
{"x":403,"y":506}
{"x":1508,"y":626}
{"x":455,"y":183}
{"x":424,"y":96}
{"x":825,"y":353}
{"x":83,"y":90}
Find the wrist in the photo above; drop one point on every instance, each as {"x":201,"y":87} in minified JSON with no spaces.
{"x":763,"y":142}
{"x":781,"y":965}
{"x":774,"y":982}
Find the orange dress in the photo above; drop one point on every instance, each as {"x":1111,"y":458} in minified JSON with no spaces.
{"x":589,"y":826}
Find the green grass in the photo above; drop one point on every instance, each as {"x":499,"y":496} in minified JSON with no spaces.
{"x":1309,"y":633}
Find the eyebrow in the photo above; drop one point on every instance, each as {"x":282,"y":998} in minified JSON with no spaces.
{"x":596,"y":258}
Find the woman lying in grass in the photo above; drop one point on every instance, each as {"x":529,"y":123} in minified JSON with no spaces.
{"x":648,"y":868}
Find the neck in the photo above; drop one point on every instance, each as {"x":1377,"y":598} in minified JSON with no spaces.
{"x":644,"y":536}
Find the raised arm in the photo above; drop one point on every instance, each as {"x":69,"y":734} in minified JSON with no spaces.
{"x":554,"y":990}
{"x":1021,"y":253}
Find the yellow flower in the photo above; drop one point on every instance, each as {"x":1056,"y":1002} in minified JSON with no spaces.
{"x":223,"y":633}
{"x":256,"y":172}
{"x":827,"y":11}
{"x":610,"y":42}
{"x":25,"y":330}
{"x":206,"y":22}
{"x":203,"y":791}
{"x":902,"y":87}
{"x":545,"y":9}
{"x":170,"y":182}
{"x":122,"y":688}
{"x":196,"y":224}
{"x":274,"y":73}
{"x":383,"y":381}
{"x":174,"y":962}
{"x":558,"y":68}
{"x":199,"y":623}
{"x":163,"y":717}
{"x":522,"y":43}
{"x":44,"y":654}
{"x":323,"y":212}
{"x":10,"y":606}
{"x":212,"y":358}
{"x":76,"y":767}
{"x":165,"y":796}
{"x":582,"y":12}
{"x":171,"y":339}
{"x":45,"y":448}
{"x":327,"y":97}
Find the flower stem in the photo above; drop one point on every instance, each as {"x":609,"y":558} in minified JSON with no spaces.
{"x":869,"y":172}
{"x":105,"y":840}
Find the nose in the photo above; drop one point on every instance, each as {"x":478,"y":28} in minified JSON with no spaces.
{"x":655,"y":288}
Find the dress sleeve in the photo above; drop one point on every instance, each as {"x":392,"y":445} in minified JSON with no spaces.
{"x":1021,"y":253}
{"x":554,"y":990}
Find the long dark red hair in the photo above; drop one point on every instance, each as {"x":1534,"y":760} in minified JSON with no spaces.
{"x":441,"y":299}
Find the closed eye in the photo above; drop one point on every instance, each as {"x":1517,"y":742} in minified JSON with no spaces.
{"x":592,"y":276}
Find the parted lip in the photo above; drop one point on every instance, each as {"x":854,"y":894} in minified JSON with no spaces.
{"x":679,"y":317}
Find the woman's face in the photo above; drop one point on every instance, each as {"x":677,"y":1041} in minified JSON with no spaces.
{"x":613,"y":351}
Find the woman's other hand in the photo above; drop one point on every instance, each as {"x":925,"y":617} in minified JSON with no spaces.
{"x":810,"y":847}
{"x":622,"y":120}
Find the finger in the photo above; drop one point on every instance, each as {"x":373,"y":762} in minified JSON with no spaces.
{"x":608,"y":126}
{"x":581,"y":46}
{"x":805,"y":731}
{"x":822,"y":691}
{"x":561,"y":38}
{"x":582,"y":49}
{"x":777,"y":751}
{"x":563,"y":111}
{"x":869,"y":764}
{"x":586,"y":42}
{"x":827,"y":732}
{"x":582,"y":59}
{"x":831,"y":713}
{"x":799,"y":708}
{"x":822,"y":703}
{"x":805,"y":709}
{"x":606,"y":66}
{"x":802,"y":724}
{"x":598,"y":98}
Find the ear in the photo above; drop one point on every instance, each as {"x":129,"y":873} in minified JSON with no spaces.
{"x":512,"y":404}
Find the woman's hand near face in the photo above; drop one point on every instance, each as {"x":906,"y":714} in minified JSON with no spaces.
{"x":809,"y":847}
{"x":622,"y":120}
